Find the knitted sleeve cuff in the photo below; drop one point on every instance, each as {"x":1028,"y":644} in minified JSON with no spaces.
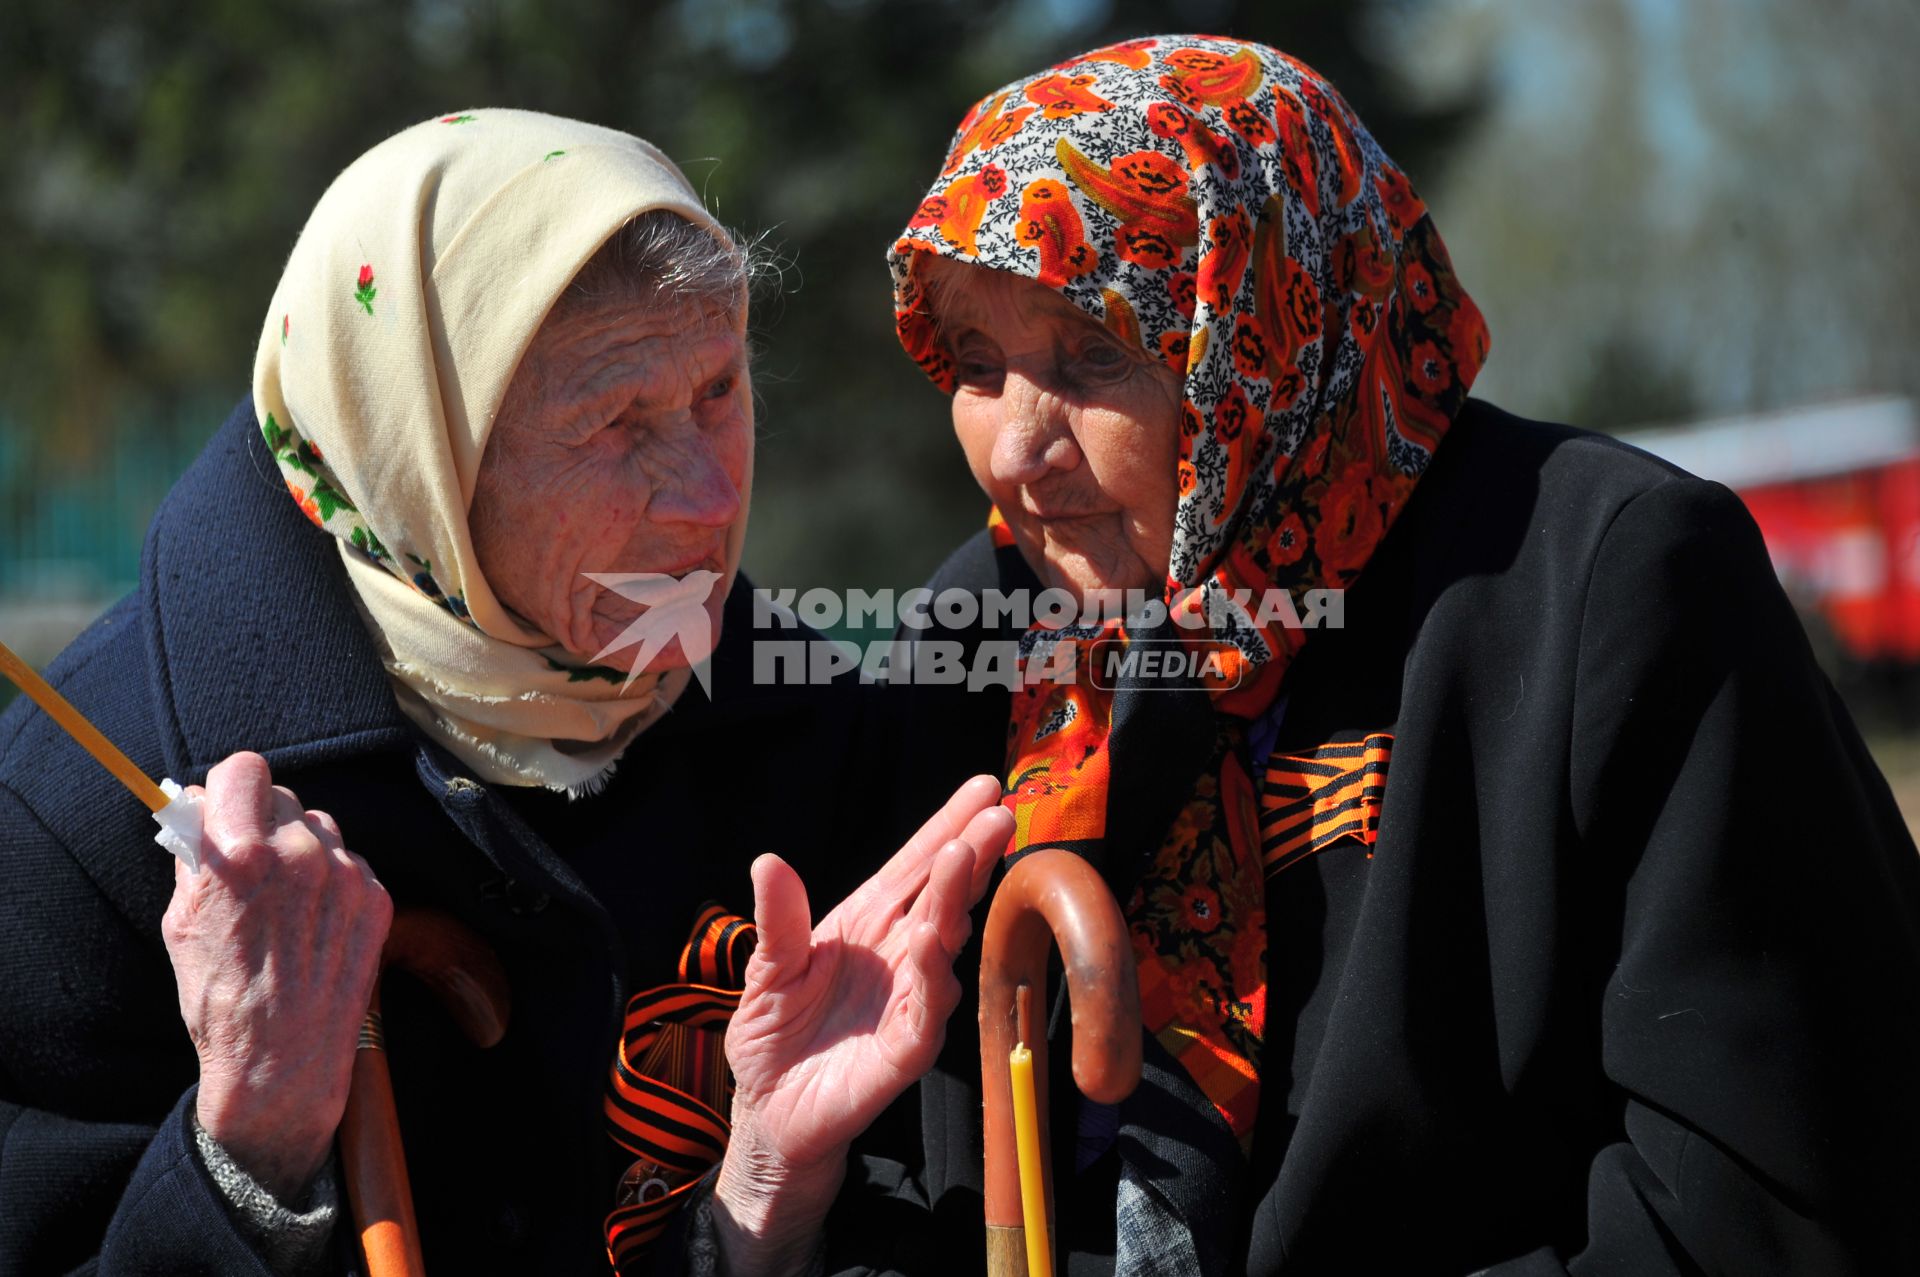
{"x":291,"y":1238}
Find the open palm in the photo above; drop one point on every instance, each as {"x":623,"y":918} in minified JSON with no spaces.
{"x":837,"y":1020}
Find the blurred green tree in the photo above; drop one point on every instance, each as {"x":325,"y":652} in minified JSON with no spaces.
{"x":165,"y":155}
{"x":1671,"y":211}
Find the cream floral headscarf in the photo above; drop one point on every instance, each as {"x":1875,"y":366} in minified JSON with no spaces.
{"x":407,"y":304}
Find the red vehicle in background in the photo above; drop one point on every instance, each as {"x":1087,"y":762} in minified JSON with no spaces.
{"x":1835,"y":489}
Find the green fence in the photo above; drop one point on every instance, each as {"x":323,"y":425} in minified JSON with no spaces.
{"x":72,"y":520}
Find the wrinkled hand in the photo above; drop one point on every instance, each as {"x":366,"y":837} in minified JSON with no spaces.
{"x":838,"y":1020}
{"x":275,"y":946}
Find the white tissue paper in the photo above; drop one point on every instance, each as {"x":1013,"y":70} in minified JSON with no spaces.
{"x":180,"y":825}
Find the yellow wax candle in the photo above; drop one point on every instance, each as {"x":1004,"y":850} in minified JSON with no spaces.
{"x":86,"y":734}
{"x":1033,"y":1190}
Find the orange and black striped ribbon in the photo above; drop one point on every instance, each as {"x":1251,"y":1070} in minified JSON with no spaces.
{"x":1311,"y":800}
{"x":669,"y":1092}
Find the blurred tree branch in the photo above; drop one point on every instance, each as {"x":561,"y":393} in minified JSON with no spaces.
{"x":165,"y":155}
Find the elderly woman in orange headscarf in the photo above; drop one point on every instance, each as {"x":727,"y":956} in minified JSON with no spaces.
{"x":1474,"y":926}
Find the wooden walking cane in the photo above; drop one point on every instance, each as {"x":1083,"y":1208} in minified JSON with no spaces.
{"x":1048,"y":896}
{"x":467,"y":978}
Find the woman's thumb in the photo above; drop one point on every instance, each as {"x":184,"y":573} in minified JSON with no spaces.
{"x":782,"y":917}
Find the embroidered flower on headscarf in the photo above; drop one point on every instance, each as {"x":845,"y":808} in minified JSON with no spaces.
{"x":1200,"y":907}
{"x":1296,"y":149}
{"x":1230,"y":418}
{"x":1145,"y":193}
{"x":986,"y":126}
{"x":1121,"y":321}
{"x":1467,"y":338}
{"x":1350,"y":523}
{"x":1050,"y":223}
{"x":1249,"y":123}
{"x":308,"y":506}
{"x":423,"y":580}
{"x":1149,"y":174}
{"x":1289,"y":541}
{"x":1250,"y":349}
{"x":1128,"y":53}
{"x":1173,"y":350}
{"x":1288,"y":382}
{"x":1059,"y":96}
{"x":364,"y":291}
{"x":1396,"y":195}
{"x":1430,"y":368}
{"x":1420,"y":287}
{"x":1209,"y":78}
{"x":1201,"y":146}
{"x":1361,"y":265}
{"x":1225,"y":262}
{"x":932,"y":211}
{"x":1364,"y":320}
{"x":1302,"y":304}
{"x":957,"y":212}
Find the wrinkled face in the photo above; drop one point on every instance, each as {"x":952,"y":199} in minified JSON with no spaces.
{"x":1072,"y":432}
{"x":623,"y":445}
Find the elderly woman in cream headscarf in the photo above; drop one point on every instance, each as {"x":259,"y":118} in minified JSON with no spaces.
{"x":423,"y":620}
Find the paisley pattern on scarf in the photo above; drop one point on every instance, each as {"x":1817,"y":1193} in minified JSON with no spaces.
{"x":1218,"y":204}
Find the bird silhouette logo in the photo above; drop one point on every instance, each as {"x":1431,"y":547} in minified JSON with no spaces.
{"x":675,"y":608}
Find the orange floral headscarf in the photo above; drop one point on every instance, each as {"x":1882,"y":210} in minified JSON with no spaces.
{"x":1218,"y":204}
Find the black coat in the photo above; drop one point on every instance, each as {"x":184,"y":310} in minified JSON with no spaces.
{"x":1631,"y":981}
{"x":242,"y":635}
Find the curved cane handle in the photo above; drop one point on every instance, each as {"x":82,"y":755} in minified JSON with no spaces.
{"x":1051,"y":896}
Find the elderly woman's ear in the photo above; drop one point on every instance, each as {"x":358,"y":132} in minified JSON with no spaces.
{"x":626,"y":436}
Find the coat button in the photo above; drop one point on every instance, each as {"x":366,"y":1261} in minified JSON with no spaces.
{"x":524,"y":901}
